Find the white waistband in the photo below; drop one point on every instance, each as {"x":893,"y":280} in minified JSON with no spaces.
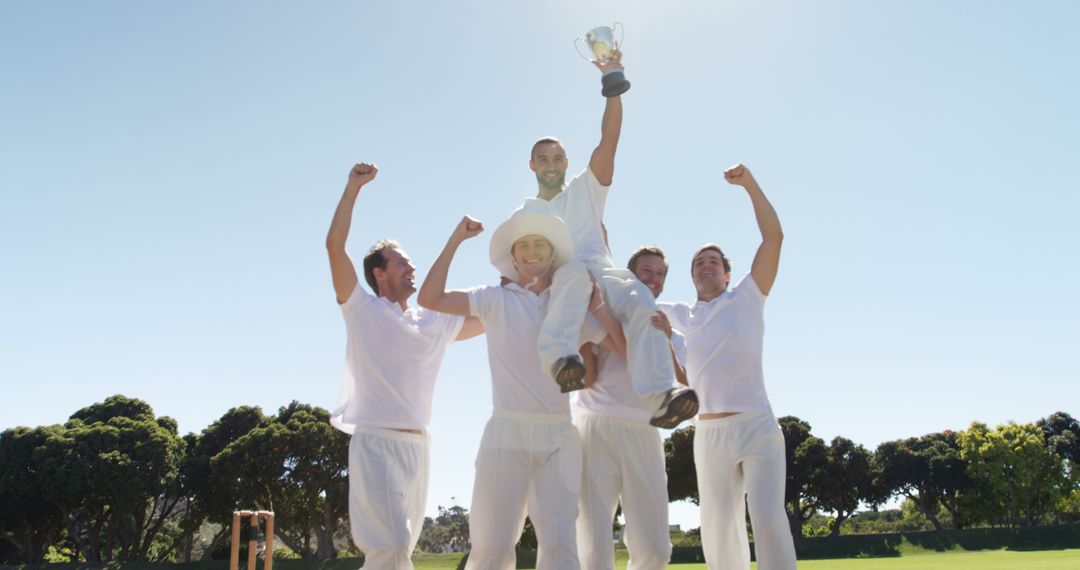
{"x":596,"y":416}
{"x":394,"y":434}
{"x":530,"y":417}
{"x":737,"y":419}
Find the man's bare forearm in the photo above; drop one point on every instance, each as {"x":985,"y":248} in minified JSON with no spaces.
{"x":342,"y":222}
{"x":680,"y":372}
{"x":613,"y":327}
{"x":602,"y":162}
{"x":433,"y":294}
{"x":434,"y":287}
{"x":767,"y":220}
{"x":767,"y":259}
{"x":611,"y":125}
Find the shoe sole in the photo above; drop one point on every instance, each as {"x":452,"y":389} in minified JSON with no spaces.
{"x":679,"y":409}
{"x":571,"y":377}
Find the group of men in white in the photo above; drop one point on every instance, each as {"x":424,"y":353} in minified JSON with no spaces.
{"x":565,"y":319}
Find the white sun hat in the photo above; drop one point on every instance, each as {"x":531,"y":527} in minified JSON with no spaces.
{"x":521,"y":225}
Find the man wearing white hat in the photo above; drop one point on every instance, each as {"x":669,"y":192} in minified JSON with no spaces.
{"x":530,"y":455}
{"x":580,"y":203}
{"x":393,"y":353}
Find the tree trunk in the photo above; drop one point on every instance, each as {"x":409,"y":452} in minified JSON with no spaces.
{"x":293,"y":544}
{"x":840,"y":518}
{"x":215,"y":542}
{"x":32,"y":546}
{"x":324,"y":535}
{"x":795,"y":523}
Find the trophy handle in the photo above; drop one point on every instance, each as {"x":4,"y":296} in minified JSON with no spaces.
{"x":578,"y":49}
{"x":622,"y":30}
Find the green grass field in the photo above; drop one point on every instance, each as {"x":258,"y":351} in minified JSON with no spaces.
{"x":910,"y":559}
{"x":981,"y":560}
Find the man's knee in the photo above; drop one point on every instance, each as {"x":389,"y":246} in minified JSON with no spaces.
{"x":773,"y":525}
{"x":395,"y":556}
{"x":570,"y":270}
{"x":652,"y":554}
{"x":491,"y":557}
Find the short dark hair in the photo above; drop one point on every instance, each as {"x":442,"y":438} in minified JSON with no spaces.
{"x":545,"y":140}
{"x":645,"y":250}
{"x":375,"y":259}
{"x":712,"y":247}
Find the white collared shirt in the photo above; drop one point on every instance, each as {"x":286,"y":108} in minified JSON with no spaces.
{"x":581,"y":206}
{"x":512,"y":316}
{"x":613,"y":392}
{"x":724,"y":340}
{"x":391,"y":360}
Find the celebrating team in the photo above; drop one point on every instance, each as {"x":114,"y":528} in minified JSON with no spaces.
{"x":565,"y":319}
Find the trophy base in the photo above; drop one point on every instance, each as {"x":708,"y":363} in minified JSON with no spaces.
{"x":614,"y":84}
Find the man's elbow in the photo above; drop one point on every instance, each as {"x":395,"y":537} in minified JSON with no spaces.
{"x":427,"y":300}
{"x":334,"y":245}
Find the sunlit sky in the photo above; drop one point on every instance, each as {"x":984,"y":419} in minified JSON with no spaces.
{"x":168,"y":172}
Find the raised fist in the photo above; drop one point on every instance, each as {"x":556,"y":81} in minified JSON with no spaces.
{"x":468,"y":228}
{"x":361,"y":174}
{"x":739,"y":175}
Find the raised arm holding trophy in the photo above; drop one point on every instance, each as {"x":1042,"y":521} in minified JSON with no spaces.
{"x":605,"y":50}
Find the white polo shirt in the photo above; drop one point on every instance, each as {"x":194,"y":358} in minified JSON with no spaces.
{"x":512,"y":316}
{"x":391,"y":360}
{"x":581,"y":206}
{"x":724,"y":339}
{"x":613,"y":392}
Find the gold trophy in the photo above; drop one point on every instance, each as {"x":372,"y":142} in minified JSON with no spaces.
{"x":602,"y":44}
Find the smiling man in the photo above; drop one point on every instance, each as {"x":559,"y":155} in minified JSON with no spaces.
{"x":580,"y":203}
{"x":393,"y":353}
{"x":738,"y":444}
{"x":623,"y":454}
{"x":530,"y":455}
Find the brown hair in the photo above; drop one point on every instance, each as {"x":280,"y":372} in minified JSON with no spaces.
{"x":712,"y":247}
{"x":375,"y":259}
{"x":645,"y":250}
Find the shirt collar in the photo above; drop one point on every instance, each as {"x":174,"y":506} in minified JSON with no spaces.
{"x":517,"y":288}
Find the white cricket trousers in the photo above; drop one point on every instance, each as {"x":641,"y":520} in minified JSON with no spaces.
{"x":648,"y":350}
{"x":388,"y":480}
{"x":528,"y":463}
{"x":624,"y":460}
{"x":742,"y":457}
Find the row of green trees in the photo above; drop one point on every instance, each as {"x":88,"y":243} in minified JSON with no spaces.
{"x":117,"y":483}
{"x":1013,"y":475}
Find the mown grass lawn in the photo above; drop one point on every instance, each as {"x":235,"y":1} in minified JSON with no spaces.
{"x":980,"y":560}
{"x":910,"y":559}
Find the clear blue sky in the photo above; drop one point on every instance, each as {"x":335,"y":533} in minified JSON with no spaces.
{"x":168,"y":172}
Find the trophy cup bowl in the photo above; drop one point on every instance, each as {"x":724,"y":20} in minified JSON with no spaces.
{"x":602,"y":44}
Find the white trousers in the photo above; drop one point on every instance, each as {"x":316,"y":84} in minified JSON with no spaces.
{"x":740,"y":464}
{"x":648,"y":351}
{"x":624,"y":460}
{"x":388,"y":480}
{"x":527,"y":464}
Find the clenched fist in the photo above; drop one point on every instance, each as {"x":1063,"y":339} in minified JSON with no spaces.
{"x":467,"y":228}
{"x":739,"y":175}
{"x":361,"y":174}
